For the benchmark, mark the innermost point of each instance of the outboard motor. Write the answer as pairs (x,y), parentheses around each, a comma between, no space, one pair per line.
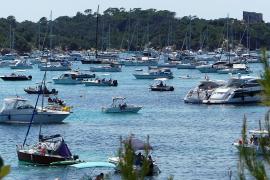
(30,77)
(115,83)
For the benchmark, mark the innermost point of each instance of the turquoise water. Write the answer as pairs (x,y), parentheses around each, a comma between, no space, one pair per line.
(190,141)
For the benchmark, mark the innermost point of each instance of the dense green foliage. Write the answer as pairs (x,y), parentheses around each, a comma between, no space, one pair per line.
(130,29)
(248,159)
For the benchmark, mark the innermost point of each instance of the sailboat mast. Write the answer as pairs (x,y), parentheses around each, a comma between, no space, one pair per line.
(96,52)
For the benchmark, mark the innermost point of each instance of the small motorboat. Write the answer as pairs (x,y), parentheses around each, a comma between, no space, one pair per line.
(120,106)
(49,150)
(253,144)
(137,148)
(40,90)
(103,80)
(62,66)
(16,77)
(160,85)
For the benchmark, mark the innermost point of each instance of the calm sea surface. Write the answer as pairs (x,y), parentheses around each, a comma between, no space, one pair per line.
(190,141)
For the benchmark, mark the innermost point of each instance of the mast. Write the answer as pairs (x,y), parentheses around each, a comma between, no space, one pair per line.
(96,51)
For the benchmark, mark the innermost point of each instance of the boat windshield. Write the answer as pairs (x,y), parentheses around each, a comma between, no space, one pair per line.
(235,83)
(16,104)
(23,105)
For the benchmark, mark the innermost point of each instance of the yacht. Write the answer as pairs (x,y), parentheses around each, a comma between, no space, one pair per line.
(19,110)
(241,89)
(67,78)
(202,91)
(155,73)
(120,106)
(142,61)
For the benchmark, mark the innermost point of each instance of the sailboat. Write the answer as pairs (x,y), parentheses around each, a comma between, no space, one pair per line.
(94,60)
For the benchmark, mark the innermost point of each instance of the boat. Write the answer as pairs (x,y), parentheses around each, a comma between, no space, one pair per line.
(160,85)
(103,80)
(21,64)
(49,150)
(137,146)
(190,65)
(140,61)
(235,69)
(241,90)
(55,67)
(202,91)
(155,73)
(253,142)
(16,77)
(107,68)
(19,110)
(213,68)
(40,90)
(120,106)
(68,78)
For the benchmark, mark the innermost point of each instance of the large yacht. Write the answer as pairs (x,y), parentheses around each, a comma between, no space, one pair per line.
(19,110)
(202,91)
(241,89)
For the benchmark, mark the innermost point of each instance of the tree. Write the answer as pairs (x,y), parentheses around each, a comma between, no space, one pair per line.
(247,157)
(4,169)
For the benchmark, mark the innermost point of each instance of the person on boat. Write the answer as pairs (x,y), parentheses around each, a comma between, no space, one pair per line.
(139,159)
(161,84)
(50,100)
(100,176)
(151,166)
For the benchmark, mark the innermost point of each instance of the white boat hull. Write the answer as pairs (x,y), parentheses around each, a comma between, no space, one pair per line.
(122,110)
(40,117)
(66,81)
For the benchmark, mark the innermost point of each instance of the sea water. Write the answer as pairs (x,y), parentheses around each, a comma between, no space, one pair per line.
(189,141)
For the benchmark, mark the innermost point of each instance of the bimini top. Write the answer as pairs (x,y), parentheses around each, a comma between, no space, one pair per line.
(94,165)
(14,99)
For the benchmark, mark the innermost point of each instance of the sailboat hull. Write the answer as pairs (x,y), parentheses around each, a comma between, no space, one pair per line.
(36,158)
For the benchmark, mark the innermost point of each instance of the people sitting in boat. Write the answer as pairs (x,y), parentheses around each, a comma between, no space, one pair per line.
(122,106)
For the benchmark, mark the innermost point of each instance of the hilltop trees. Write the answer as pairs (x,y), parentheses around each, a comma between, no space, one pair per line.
(129,29)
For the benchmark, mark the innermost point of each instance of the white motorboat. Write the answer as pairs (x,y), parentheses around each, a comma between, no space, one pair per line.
(107,68)
(68,78)
(213,68)
(253,143)
(18,110)
(236,69)
(120,106)
(202,91)
(21,64)
(155,73)
(55,67)
(241,89)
